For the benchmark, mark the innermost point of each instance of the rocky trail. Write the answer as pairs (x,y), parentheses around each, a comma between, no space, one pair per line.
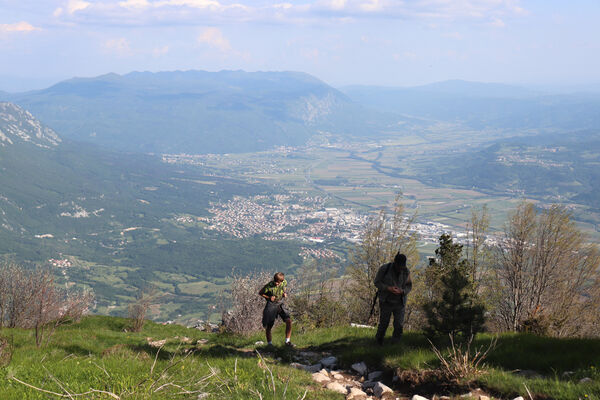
(361,382)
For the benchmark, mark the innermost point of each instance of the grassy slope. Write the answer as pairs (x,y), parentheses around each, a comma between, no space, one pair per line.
(96,353)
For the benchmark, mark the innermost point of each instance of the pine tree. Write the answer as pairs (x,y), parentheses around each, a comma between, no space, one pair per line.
(454,308)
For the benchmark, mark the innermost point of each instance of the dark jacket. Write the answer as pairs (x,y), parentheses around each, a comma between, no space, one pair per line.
(386,277)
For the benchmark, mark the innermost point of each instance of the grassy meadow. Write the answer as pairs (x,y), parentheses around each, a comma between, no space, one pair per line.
(98,357)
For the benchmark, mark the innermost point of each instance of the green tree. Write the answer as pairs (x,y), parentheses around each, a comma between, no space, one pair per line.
(454,307)
(385,235)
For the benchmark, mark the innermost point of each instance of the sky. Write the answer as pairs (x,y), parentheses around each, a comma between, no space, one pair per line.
(343,42)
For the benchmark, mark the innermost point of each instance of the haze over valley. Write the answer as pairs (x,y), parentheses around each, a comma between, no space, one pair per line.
(176,179)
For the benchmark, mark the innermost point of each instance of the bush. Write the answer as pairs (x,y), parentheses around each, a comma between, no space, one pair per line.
(29,299)
(317,299)
(139,308)
(245,315)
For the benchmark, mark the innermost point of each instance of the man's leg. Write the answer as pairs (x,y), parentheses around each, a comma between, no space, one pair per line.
(384,320)
(398,322)
(288,329)
(269,335)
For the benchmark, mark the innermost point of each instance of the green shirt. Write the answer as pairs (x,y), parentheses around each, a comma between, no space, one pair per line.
(271,289)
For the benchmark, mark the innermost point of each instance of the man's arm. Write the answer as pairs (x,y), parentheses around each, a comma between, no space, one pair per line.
(379,279)
(407,287)
(262,294)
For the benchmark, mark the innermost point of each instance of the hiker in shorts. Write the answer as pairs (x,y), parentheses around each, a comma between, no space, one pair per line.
(393,282)
(274,292)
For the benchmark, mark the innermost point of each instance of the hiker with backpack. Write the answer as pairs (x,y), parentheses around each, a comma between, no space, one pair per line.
(393,284)
(274,292)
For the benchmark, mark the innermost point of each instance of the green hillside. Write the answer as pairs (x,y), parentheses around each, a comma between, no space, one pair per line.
(113,217)
(98,357)
(557,167)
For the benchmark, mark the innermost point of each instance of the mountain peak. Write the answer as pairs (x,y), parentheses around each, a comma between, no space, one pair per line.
(18,125)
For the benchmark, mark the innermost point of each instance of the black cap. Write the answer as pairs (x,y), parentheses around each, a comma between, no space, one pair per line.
(400,259)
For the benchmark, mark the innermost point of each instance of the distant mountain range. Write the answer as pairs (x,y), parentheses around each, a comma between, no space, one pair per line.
(484,105)
(196,111)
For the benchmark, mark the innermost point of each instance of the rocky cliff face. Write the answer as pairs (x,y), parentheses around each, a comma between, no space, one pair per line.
(18,125)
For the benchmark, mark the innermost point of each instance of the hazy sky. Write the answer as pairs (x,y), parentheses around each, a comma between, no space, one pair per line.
(383,42)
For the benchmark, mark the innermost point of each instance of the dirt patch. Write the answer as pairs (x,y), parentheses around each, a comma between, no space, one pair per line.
(427,382)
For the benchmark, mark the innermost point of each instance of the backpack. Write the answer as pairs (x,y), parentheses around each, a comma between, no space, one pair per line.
(377,292)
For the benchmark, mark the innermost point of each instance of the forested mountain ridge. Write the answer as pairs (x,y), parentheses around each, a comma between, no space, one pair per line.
(197,111)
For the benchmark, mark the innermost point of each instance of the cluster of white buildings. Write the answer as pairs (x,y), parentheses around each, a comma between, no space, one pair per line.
(319,253)
(64,263)
(284,217)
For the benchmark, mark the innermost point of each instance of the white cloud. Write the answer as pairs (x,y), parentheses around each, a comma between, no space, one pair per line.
(497,23)
(336,4)
(71,7)
(160,51)
(188,3)
(134,4)
(119,46)
(147,12)
(214,38)
(22,27)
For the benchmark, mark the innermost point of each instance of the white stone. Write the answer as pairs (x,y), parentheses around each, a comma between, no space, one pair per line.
(417,397)
(483,397)
(336,387)
(338,377)
(329,362)
(356,394)
(353,325)
(379,389)
(374,375)
(585,380)
(360,367)
(519,398)
(324,372)
(320,378)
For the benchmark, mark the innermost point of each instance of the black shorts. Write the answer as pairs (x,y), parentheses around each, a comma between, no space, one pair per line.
(271,311)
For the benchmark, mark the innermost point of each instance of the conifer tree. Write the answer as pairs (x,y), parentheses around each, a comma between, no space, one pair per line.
(454,308)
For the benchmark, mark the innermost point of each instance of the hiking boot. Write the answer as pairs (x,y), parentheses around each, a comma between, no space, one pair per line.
(290,345)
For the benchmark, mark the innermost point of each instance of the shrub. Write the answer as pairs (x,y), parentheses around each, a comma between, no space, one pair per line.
(245,315)
(30,299)
(462,362)
(317,299)
(139,308)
